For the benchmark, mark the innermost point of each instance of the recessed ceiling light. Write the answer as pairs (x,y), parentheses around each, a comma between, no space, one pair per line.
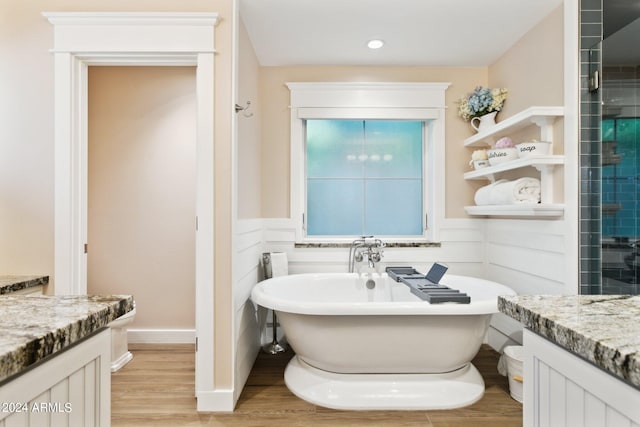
(375,44)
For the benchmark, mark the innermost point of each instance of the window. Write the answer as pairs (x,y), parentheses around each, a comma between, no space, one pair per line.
(367,159)
(364,177)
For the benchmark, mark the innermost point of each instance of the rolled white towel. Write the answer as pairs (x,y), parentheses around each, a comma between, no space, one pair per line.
(483,195)
(522,190)
(505,192)
(527,190)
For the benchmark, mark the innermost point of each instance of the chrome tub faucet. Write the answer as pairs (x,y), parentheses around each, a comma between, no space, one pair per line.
(366,247)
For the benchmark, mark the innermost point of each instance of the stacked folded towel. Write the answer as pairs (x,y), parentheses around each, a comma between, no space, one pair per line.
(505,192)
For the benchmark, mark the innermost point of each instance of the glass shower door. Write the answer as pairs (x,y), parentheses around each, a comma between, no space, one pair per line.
(620,162)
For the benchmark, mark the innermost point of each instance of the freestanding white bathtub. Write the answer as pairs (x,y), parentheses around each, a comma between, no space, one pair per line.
(366,342)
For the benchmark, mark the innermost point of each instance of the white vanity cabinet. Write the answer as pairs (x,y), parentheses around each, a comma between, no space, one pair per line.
(55,365)
(561,389)
(70,389)
(544,118)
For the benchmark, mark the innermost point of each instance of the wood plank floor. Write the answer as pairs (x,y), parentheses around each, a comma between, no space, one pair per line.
(157,389)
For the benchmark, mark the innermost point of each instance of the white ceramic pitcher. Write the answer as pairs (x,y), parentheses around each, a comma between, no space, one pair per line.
(484,122)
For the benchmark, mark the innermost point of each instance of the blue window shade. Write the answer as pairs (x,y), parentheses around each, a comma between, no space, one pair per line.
(364,177)
(393,207)
(334,206)
(330,145)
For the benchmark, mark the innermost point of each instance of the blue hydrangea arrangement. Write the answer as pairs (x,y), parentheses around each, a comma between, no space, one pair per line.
(480,102)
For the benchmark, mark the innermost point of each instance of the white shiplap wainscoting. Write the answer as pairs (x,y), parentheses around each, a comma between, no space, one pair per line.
(461,250)
(529,256)
(247,271)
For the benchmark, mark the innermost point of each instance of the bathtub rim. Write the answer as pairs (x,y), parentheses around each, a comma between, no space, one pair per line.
(487,305)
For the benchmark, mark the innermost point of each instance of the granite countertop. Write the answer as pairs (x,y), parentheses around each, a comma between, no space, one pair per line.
(603,329)
(11,283)
(35,327)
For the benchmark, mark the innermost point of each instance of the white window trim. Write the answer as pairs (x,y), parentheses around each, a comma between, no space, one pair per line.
(344,100)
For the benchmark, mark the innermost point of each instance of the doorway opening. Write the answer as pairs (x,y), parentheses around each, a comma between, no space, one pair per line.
(141,195)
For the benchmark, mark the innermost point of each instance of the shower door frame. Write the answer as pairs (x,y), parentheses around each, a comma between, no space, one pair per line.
(82,39)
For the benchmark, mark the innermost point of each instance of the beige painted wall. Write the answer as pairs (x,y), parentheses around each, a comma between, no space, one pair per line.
(532,71)
(276,125)
(142,152)
(26,139)
(249,128)
(26,143)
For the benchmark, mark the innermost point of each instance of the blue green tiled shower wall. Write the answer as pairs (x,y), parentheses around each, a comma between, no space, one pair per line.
(590,149)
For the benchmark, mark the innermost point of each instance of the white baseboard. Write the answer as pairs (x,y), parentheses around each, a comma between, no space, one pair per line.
(215,401)
(161,336)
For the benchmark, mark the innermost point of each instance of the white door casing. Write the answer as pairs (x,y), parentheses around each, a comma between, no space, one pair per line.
(130,39)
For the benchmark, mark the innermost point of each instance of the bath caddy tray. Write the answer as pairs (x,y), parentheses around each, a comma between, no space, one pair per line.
(427,286)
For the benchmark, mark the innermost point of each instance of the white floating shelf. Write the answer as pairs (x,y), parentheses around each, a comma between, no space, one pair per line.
(522,210)
(538,162)
(542,117)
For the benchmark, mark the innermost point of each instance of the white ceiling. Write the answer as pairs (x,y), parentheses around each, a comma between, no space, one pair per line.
(416,32)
